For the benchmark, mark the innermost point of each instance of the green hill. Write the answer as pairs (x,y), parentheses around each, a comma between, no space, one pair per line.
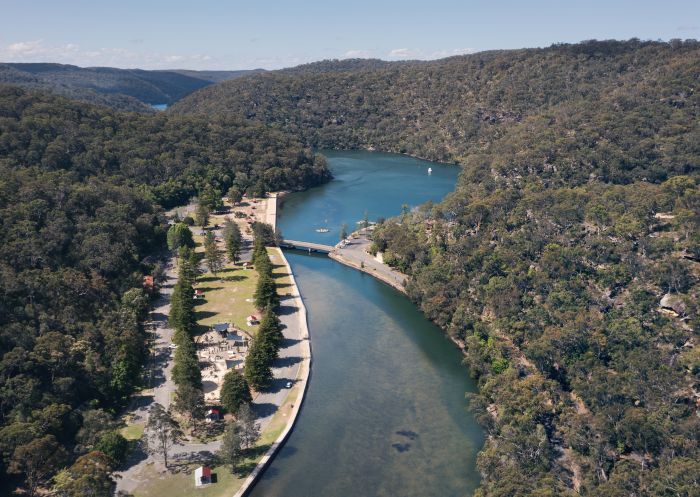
(82,195)
(567,260)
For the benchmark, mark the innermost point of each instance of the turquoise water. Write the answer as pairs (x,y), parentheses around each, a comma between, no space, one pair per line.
(363,181)
(385,413)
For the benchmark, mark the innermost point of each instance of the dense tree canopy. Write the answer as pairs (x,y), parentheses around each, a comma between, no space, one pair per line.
(169,158)
(566,262)
(558,109)
(82,192)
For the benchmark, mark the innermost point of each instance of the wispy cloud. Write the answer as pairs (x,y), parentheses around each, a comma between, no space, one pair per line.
(413,53)
(71,53)
(402,53)
(358,54)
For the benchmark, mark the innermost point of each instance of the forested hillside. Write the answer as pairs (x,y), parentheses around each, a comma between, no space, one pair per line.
(122,89)
(451,109)
(171,158)
(82,192)
(567,260)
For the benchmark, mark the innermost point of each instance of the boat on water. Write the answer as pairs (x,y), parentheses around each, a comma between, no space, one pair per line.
(430,170)
(322,230)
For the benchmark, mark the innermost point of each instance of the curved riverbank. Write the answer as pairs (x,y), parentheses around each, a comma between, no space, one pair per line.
(355,253)
(385,412)
(302,381)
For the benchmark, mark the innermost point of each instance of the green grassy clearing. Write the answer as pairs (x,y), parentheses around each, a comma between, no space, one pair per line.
(181,484)
(133,431)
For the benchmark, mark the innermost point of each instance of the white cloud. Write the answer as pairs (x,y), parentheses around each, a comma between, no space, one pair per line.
(402,53)
(71,53)
(412,53)
(358,54)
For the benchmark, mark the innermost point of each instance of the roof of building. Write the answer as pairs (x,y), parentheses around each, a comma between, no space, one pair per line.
(202,471)
(220,327)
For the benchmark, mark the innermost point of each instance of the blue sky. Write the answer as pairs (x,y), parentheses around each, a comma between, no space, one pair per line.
(204,34)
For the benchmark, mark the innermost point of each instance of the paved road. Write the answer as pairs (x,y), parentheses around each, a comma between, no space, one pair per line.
(286,367)
(161,378)
(354,253)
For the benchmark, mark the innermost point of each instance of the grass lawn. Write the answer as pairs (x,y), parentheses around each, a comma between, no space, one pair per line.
(133,431)
(226,297)
(181,484)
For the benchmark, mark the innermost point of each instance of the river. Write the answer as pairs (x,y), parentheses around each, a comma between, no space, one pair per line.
(377,183)
(385,413)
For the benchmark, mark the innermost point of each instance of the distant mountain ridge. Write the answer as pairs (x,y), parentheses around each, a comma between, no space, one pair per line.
(123,89)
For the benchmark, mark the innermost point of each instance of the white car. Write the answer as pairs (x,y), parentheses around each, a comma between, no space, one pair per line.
(289,384)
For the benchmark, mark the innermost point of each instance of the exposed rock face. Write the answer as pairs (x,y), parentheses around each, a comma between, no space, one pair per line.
(673,303)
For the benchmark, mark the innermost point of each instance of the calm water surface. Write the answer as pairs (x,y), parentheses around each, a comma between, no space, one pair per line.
(364,181)
(385,413)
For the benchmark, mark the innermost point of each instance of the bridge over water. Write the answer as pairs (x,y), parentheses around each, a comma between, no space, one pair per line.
(310,246)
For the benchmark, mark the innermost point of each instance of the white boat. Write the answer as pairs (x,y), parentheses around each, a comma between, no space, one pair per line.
(322,230)
(430,170)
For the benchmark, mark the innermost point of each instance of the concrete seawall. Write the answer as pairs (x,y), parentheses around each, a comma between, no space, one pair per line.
(394,281)
(302,383)
(354,252)
(353,259)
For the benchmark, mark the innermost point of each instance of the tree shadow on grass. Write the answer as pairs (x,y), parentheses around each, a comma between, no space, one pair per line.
(206,289)
(253,453)
(221,277)
(201,329)
(200,315)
